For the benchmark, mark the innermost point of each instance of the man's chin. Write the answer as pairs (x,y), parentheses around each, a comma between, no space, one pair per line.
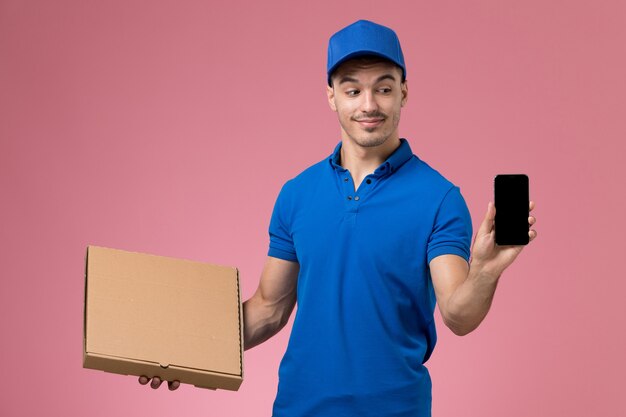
(371,142)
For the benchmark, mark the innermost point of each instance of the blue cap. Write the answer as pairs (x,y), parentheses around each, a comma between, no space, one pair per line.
(364,38)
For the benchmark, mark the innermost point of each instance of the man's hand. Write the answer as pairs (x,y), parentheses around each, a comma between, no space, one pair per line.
(490,258)
(156,382)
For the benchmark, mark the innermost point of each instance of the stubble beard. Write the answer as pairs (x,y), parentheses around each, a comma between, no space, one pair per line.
(370,142)
(367,141)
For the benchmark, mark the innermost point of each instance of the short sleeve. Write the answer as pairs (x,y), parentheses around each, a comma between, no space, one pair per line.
(452,230)
(281,241)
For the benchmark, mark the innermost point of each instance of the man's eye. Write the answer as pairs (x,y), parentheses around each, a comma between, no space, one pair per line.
(352,93)
(385,90)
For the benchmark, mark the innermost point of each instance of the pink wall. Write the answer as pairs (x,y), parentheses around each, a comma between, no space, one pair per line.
(169,127)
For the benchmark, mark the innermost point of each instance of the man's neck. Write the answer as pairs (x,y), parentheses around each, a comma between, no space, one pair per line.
(362,161)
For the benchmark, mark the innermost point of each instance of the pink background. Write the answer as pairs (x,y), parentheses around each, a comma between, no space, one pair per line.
(168,127)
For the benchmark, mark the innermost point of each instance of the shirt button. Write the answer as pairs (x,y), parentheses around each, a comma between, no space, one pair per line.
(368,181)
(345,179)
(357,198)
(349,197)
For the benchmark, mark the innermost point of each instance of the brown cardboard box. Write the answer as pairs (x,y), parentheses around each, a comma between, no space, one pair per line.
(157,316)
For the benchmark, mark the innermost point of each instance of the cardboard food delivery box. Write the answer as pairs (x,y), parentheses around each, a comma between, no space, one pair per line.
(158,316)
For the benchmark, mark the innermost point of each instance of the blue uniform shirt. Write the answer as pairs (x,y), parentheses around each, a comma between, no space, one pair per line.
(364,323)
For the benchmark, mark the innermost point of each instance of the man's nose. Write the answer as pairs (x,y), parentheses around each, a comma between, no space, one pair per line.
(368,104)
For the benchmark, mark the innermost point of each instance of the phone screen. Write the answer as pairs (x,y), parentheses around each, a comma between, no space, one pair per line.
(511,201)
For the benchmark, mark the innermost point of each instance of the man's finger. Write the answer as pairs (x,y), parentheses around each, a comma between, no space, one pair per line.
(172,385)
(143,380)
(531,206)
(156,382)
(487,225)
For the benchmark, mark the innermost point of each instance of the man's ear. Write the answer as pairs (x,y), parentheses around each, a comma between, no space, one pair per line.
(330,93)
(405,93)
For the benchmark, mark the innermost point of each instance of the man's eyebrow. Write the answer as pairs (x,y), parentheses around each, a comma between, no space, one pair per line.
(386,77)
(348,79)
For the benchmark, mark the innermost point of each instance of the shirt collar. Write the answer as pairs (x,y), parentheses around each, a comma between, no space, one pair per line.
(402,154)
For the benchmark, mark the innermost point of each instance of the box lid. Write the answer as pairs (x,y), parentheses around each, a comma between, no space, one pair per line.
(169,311)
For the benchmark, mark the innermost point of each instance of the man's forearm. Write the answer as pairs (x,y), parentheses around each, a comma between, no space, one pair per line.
(470,302)
(262,320)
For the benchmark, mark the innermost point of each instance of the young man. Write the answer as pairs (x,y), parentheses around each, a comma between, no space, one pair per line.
(365,242)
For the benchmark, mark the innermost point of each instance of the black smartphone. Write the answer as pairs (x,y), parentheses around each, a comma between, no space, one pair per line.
(511,200)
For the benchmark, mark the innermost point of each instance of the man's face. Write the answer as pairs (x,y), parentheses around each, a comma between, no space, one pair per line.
(367,96)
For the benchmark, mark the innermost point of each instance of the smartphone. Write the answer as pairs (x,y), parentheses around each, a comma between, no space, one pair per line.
(511,200)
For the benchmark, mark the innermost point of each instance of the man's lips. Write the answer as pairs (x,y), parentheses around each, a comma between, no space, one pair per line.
(370,122)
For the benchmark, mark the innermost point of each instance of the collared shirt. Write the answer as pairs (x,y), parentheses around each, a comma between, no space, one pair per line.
(364,324)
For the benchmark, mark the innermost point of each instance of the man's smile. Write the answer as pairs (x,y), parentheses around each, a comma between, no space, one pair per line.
(370,122)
